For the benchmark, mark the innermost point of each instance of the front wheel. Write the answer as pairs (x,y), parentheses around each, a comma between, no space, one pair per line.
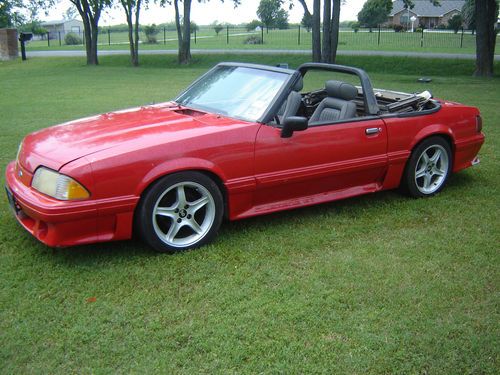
(180,211)
(428,168)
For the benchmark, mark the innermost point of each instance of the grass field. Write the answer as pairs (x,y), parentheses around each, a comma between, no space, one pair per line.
(289,39)
(379,284)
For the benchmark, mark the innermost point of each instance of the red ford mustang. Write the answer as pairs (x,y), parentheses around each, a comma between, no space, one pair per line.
(242,140)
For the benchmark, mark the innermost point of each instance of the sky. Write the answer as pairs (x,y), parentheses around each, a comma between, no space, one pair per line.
(205,13)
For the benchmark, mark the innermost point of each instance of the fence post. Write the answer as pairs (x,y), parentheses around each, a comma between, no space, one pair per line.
(227,34)
(378,39)
(164,36)
(109,38)
(194,36)
(422,38)
(462,38)
(298,38)
(59,34)
(48,39)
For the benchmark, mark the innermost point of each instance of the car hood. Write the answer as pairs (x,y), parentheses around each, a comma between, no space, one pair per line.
(58,145)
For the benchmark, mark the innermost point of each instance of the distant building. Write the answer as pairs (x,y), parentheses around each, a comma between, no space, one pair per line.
(64,26)
(427,15)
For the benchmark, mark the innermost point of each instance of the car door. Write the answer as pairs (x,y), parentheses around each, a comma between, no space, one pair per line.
(322,163)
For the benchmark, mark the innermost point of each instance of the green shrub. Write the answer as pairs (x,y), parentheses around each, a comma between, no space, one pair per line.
(253,39)
(455,23)
(355,26)
(72,39)
(151,31)
(399,28)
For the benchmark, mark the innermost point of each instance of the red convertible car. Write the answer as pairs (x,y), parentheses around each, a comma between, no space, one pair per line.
(242,140)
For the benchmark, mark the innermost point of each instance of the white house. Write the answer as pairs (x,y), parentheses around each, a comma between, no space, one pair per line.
(63,26)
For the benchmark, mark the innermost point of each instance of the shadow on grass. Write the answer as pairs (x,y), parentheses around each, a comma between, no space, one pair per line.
(246,230)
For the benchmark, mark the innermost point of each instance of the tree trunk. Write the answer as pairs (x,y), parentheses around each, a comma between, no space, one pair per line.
(487,11)
(178,24)
(135,61)
(128,13)
(86,32)
(316,32)
(93,47)
(335,29)
(90,28)
(326,53)
(185,47)
(88,40)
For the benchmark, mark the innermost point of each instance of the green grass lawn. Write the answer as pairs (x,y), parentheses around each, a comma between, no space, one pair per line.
(288,39)
(380,284)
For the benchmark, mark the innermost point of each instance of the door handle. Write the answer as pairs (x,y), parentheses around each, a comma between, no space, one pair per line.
(371,131)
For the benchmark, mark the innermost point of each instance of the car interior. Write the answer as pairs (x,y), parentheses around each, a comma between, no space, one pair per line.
(340,100)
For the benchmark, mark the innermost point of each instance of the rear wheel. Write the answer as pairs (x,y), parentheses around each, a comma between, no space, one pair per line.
(429,167)
(180,211)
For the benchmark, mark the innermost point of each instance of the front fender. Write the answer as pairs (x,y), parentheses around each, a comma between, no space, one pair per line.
(178,165)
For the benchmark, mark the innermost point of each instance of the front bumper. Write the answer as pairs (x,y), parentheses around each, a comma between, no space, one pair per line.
(66,223)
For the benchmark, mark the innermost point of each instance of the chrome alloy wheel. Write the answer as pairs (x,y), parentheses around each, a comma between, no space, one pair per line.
(183,214)
(431,169)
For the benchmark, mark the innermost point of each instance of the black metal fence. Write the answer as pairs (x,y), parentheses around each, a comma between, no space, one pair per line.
(293,38)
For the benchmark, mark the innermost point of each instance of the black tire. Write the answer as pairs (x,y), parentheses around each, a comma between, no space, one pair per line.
(162,211)
(432,175)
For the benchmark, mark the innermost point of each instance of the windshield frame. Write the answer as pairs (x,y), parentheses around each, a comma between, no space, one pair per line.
(272,106)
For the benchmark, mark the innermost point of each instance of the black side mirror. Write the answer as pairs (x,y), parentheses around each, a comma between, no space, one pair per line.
(292,124)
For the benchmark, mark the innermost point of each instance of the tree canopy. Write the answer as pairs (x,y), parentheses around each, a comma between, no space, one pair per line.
(271,14)
(374,12)
(14,13)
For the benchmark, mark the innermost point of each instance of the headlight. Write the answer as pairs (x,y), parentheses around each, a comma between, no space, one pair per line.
(57,185)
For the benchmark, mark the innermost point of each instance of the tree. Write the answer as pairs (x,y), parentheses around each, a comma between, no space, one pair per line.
(90,11)
(252,25)
(331,14)
(16,12)
(193,27)
(217,27)
(184,28)
(269,11)
(183,31)
(455,23)
(70,13)
(487,12)
(151,31)
(281,21)
(469,14)
(132,10)
(374,12)
(307,21)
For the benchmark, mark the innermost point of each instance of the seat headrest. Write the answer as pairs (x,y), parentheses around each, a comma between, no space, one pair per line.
(299,85)
(342,90)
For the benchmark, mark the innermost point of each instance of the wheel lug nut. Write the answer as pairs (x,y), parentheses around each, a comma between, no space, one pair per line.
(189,216)
(176,210)
(186,206)
(179,220)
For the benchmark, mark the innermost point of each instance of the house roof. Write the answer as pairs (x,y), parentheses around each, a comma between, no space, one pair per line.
(424,8)
(58,22)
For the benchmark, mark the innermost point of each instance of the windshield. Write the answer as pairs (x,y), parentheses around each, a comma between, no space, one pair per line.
(234,91)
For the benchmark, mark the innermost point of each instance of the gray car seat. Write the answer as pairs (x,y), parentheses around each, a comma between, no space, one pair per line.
(338,105)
